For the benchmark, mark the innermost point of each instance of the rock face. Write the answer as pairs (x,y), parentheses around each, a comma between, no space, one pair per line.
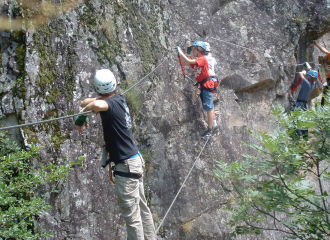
(47,70)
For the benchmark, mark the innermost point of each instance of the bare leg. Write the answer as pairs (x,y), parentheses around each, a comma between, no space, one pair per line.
(210,115)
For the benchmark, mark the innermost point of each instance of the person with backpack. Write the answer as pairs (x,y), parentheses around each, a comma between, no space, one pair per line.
(201,70)
(308,83)
(129,163)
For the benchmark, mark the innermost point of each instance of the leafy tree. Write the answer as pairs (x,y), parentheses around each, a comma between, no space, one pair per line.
(283,185)
(19,207)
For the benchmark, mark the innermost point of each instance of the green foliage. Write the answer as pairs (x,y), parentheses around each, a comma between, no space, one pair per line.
(16,10)
(19,207)
(284,184)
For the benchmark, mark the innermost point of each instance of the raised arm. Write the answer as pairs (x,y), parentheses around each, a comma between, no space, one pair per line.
(301,74)
(322,49)
(186,61)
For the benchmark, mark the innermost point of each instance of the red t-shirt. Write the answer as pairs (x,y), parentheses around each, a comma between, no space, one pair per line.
(201,69)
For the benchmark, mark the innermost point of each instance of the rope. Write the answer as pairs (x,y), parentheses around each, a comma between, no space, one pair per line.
(148,74)
(44,121)
(77,114)
(181,188)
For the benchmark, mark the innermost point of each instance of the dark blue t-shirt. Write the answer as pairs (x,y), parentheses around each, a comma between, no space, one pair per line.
(117,129)
(306,90)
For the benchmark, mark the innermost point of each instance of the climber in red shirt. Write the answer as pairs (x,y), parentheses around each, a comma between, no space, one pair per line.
(201,70)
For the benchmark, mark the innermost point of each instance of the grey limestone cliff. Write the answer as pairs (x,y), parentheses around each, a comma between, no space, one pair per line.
(47,69)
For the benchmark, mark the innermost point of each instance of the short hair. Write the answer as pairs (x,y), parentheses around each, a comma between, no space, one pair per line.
(107,94)
(200,49)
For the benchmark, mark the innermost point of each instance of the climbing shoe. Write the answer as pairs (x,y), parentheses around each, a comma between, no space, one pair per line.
(215,129)
(207,134)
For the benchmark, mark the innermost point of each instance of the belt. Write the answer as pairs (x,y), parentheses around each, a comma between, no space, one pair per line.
(303,101)
(127,174)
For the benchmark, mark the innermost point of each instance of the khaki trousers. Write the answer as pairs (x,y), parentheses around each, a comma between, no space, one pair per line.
(132,202)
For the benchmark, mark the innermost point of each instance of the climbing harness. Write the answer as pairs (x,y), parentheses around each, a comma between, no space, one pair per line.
(127,174)
(113,172)
(112,168)
(176,196)
(209,84)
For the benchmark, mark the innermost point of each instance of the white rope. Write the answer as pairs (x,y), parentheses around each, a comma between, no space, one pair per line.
(181,188)
(77,114)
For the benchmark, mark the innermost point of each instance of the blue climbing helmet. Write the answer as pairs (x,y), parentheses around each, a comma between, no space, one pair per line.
(200,44)
(196,44)
(313,73)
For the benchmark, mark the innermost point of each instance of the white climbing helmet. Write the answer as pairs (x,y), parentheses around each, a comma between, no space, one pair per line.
(104,81)
(207,47)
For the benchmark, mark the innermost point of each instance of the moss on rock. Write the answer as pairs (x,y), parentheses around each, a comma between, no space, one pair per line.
(19,90)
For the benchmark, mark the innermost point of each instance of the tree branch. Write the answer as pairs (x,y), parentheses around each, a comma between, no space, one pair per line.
(282,180)
(266,213)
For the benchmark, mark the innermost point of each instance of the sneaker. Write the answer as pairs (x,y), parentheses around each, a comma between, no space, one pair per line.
(207,134)
(216,128)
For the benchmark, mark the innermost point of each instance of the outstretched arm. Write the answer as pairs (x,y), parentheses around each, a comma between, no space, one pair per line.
(322,49)
(96,106)
(89,104)
(87,101)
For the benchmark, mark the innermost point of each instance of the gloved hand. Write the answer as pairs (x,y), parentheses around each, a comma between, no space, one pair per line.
(180,52)
(304,72)
(325,84)
(81,120)
(307,66)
